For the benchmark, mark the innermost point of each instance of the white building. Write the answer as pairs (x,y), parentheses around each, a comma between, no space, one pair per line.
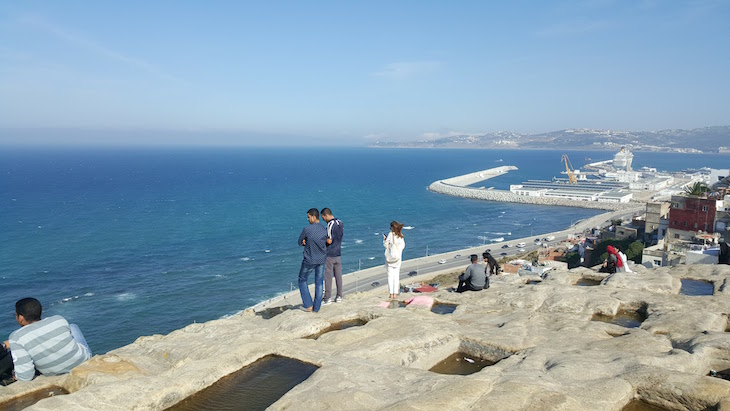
(623,176)
(615,197)
(521,190)
(652,184)
(716,175)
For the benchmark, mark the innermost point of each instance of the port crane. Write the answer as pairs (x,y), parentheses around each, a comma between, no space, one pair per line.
(569,169)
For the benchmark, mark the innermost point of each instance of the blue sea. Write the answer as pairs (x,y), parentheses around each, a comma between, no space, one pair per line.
(131,242)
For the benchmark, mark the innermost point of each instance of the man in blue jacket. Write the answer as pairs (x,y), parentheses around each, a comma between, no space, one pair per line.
(333,266)
(314,240)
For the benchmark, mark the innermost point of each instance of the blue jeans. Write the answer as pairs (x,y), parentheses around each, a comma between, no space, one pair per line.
(304,287)
(78,336)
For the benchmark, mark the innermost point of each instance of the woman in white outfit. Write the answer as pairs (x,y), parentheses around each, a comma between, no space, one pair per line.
(394,245)
(624,260)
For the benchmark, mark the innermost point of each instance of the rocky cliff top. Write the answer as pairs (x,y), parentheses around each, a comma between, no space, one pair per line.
(550,352)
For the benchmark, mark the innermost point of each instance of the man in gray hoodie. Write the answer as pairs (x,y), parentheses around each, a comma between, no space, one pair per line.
(473,279)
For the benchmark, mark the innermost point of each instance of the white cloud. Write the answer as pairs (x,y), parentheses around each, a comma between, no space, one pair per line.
(407,69)
(82,42)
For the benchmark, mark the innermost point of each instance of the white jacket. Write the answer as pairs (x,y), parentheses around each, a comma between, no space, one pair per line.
(394,246)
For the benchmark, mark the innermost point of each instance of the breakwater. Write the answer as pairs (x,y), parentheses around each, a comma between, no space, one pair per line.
(457,186)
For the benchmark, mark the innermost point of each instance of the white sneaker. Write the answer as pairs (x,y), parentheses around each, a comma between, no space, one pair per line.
(326,302)
(338,299)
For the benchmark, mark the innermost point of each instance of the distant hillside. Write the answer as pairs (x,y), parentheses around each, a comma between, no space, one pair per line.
(706,140)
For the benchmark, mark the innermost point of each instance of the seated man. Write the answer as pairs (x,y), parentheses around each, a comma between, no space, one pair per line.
(49,346)
(473,278)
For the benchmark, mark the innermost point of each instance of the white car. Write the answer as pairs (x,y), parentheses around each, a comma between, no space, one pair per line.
(522,250)
(442,261)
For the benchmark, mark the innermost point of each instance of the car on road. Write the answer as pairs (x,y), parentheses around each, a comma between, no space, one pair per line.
(503,254)
(522,250)
(537,240)
(489,250)
(549,238)
(442,261)
(375,283)
(457,256)
(412,273)
(506,246)
(520,245)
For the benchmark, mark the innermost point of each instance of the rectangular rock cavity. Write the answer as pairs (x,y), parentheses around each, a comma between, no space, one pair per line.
(625,317)
(470,358)
(254,387)
(587,282)
(27,400)
(440,308)
(342,325)
(696,287)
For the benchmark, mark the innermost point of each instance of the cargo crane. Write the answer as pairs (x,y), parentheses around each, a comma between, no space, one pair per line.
(569,169)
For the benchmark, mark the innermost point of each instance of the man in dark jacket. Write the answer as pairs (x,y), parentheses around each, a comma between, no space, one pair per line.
(333,266)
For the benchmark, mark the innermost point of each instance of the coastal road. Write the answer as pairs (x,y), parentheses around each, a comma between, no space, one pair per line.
(459,259)
(428,266)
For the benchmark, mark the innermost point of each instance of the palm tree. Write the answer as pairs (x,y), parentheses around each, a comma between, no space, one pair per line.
(696,189)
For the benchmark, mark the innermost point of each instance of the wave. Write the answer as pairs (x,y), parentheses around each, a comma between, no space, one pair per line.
(408,227)
(494,240)
(371,258)
(126,296)
(75,297)
(220,276)
(376,233)
(498,233)
(244,259)
(358,241)
(267,251)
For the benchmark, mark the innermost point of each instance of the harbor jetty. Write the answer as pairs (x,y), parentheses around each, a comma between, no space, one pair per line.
(459,186)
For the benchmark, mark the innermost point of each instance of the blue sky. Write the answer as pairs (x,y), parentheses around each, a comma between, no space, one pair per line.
(219,72)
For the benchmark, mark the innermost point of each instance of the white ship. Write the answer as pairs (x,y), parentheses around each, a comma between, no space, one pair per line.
(622,160)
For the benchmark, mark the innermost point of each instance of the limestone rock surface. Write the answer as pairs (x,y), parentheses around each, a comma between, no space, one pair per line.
(551,352)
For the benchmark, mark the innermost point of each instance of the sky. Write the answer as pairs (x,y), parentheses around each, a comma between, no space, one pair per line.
(355,72)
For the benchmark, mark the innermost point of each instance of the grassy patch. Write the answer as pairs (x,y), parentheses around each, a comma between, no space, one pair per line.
(446,279)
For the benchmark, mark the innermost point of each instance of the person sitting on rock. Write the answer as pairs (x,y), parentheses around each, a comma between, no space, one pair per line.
(50,347)
(609,266)
(473,279)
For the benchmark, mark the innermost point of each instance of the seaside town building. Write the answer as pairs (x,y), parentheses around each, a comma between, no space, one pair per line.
(656,222)
(691,216)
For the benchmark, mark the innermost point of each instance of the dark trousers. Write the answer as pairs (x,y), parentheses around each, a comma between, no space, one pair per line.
(466,286)
(6,364)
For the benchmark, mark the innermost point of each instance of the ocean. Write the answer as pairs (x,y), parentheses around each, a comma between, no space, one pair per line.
(140,241)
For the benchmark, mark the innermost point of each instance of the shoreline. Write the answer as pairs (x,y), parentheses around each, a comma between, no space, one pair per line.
(612,149)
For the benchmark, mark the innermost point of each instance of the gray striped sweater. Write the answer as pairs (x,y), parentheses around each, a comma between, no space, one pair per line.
(45,345)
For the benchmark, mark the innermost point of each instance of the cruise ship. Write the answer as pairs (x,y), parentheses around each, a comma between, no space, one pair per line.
(622,160)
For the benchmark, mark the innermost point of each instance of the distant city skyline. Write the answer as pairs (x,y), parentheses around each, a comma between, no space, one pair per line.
(240,73)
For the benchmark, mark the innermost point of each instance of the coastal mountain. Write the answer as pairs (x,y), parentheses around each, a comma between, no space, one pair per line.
(700,140)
